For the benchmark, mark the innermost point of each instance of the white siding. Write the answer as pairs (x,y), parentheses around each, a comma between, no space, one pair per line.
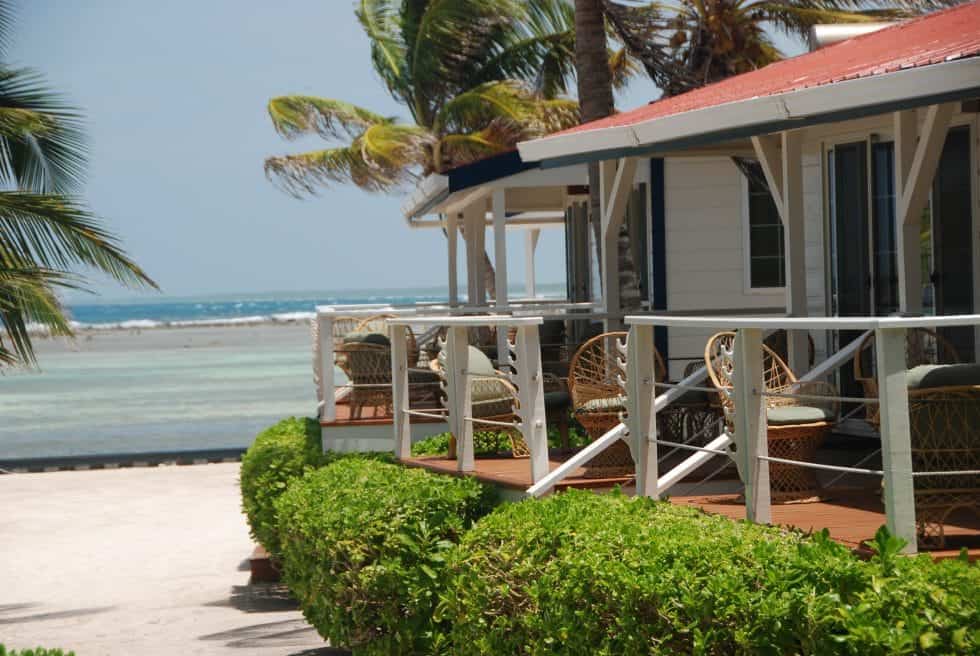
(704,198)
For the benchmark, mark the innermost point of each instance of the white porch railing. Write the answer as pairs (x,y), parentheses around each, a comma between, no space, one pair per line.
(329,317)
(750,405)
(522,358)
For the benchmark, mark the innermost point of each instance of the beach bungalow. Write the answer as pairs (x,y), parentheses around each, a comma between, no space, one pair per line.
(833,197)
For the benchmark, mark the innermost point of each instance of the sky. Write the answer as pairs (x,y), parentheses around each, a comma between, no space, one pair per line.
(175,93)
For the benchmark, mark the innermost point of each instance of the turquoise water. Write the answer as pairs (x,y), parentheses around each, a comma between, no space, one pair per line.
(170,374)
(160,395)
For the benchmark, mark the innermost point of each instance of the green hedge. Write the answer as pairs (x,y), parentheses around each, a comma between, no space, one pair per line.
(363,544)
(491,442)
(580,573)
(279,454)
(37,651)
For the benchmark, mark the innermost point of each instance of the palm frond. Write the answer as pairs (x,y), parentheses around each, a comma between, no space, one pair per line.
(379,18)
(305,174)
(55,232)
(540,49)
(796,17)
(27,298)
(445,40)
(296,116)
(42,148)
(497,137)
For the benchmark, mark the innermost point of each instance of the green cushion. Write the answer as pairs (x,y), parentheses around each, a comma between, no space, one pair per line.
(789,415)
(928,376)
(612,404)
(367,338)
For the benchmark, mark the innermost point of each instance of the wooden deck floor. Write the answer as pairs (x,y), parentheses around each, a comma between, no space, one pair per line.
(513,473)
(370,416)
(850,515)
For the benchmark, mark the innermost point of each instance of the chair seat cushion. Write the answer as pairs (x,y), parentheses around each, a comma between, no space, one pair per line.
(479,364)
(557,400)
(613,404)
(929,376)
(789,415)
(367,338)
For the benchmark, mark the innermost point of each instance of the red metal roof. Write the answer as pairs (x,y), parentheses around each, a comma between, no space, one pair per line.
(938,37)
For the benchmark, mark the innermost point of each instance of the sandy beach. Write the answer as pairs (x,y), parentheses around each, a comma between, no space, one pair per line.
(109,391)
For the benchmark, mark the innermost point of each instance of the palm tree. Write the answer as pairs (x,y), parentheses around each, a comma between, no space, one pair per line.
(715,39)
(45,230)
(476,77)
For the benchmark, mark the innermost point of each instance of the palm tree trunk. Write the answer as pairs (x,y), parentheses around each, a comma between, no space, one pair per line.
(595,97)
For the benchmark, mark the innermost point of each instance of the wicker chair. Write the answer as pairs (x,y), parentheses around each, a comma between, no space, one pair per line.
(376,324)
(944,419)
(367,365)
(493,399)
(365,358)
(922,346)
(795,430)
(599,400)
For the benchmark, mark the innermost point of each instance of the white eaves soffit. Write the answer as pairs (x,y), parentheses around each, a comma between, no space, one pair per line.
(922,83)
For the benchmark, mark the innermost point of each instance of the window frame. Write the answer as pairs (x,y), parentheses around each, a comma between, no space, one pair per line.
(747,246)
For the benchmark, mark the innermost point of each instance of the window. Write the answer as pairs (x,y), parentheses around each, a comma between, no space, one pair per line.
(767,257)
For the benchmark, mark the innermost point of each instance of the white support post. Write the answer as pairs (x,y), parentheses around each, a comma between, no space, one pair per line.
(459,391)
(751,425)
(327,389)
(781,159)
(915,168)
(530,245)
(399,391)
(474,222)
(896,451)
(798,346)
(452,236)
(499,208)
(530,387)
(642,420)
(616,183)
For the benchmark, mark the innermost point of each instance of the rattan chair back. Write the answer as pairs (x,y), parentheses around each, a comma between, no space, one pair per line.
(376,324)
(922,346)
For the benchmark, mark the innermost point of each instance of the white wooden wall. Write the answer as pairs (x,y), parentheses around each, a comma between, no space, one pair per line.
(704,200)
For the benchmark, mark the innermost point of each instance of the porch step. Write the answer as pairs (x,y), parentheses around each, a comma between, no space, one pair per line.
(262,567)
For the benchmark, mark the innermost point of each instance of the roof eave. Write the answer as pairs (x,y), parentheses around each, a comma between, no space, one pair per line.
(920,86)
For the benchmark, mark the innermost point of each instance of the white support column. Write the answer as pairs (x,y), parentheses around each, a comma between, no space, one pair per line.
(327,389)
(460,396)
(616,183)
(530,245)
(915,168)
(798,346)
(452,236)
(499,207)
(399,391)
(896,448)
(530,386)
(474,222)
(751,424)
(781,158)
(642,420)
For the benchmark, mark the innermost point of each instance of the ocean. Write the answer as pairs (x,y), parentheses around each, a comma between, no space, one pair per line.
(171,374)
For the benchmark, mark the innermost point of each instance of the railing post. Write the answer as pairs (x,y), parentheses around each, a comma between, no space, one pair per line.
(751,425)
(896,448)
(400,391)
(327,389)
(642,420)
(530,388)
(459,394)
